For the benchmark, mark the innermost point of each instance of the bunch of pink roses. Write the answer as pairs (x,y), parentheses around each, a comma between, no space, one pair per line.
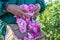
(28,24)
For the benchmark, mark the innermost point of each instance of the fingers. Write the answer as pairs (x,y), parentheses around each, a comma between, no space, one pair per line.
(36,10)
(15,10)
(18,13)
(24,10)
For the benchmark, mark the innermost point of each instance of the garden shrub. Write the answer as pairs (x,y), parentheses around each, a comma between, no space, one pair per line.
(50,21)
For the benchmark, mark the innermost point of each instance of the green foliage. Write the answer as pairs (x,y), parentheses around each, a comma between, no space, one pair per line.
(50,21)
(0,37)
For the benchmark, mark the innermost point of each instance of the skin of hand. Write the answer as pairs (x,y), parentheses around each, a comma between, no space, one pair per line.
(19,12)
(25,11)
(15,10)
(36,9)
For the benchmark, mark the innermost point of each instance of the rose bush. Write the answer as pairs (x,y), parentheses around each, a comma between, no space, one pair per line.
(50,21)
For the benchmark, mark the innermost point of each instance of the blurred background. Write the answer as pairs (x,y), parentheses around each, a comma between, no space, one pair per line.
(50,20)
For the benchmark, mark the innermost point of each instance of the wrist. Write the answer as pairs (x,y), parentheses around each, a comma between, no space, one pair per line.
(8,8)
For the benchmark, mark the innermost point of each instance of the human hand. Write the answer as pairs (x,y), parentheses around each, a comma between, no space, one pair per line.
(15,10)
(36,9)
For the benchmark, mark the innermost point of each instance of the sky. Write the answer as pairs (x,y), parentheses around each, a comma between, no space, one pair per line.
(46,1)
